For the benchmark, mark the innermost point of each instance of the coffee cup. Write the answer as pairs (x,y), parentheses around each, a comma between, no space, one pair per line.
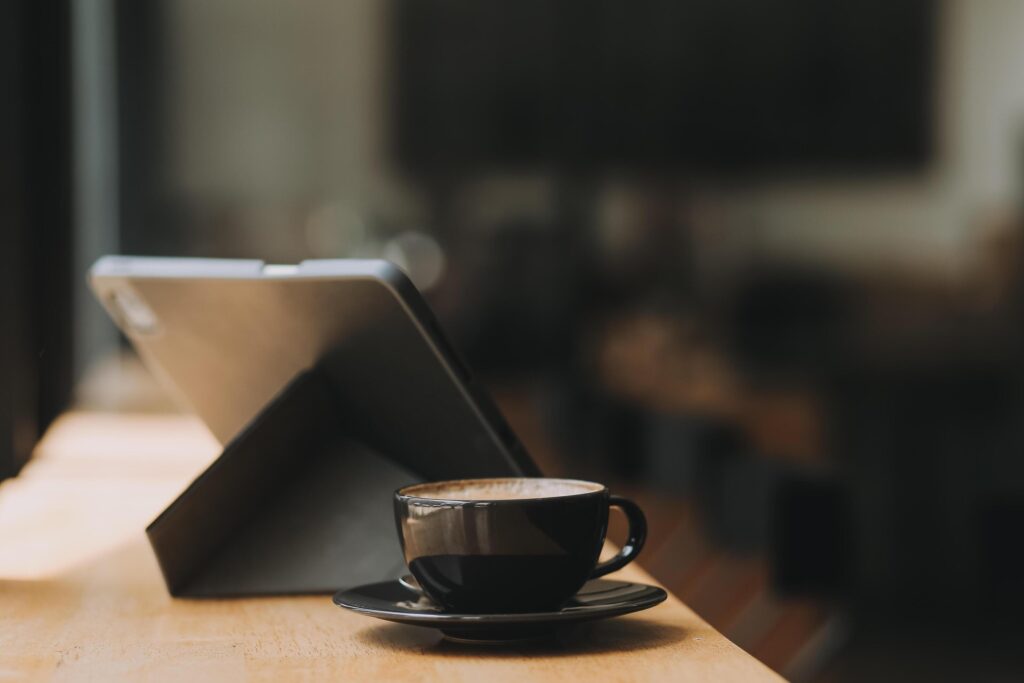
(510,544)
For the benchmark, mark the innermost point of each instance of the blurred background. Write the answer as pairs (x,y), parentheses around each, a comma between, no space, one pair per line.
(759,264)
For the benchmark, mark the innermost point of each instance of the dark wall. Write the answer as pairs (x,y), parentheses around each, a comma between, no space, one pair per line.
(35,223)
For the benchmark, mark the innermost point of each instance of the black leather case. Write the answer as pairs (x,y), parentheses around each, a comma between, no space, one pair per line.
(292,505)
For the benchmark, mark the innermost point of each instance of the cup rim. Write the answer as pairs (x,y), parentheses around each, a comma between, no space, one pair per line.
(409,493)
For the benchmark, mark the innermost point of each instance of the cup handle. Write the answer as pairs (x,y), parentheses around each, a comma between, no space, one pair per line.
(635,542)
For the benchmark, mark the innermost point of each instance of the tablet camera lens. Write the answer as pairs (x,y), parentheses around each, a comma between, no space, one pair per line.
(133,313)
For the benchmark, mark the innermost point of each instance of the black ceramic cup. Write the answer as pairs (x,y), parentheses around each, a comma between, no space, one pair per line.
(510,545)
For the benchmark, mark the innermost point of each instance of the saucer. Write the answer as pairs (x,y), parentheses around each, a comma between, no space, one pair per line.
(399,601)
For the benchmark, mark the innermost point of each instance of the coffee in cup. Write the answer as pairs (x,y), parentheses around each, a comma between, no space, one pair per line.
(510,544)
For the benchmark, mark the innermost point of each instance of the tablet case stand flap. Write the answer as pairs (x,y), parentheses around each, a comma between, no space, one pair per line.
(292,505)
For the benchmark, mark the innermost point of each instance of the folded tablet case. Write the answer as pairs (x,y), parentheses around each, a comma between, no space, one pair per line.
(298,502)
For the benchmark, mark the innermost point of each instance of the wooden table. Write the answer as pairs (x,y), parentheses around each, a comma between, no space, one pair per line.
(81,597)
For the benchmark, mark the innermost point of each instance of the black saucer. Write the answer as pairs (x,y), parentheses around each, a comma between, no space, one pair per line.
(402,603)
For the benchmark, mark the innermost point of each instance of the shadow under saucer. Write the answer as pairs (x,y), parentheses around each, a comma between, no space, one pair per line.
(612,635)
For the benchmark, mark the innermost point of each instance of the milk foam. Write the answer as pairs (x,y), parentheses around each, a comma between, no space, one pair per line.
(501,489)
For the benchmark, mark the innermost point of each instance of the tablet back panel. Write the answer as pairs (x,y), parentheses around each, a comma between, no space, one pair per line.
(229,335)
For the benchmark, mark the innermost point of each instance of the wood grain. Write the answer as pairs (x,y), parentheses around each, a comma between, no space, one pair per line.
(81,597)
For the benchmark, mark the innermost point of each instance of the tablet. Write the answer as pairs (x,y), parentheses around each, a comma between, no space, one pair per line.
(228,335)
